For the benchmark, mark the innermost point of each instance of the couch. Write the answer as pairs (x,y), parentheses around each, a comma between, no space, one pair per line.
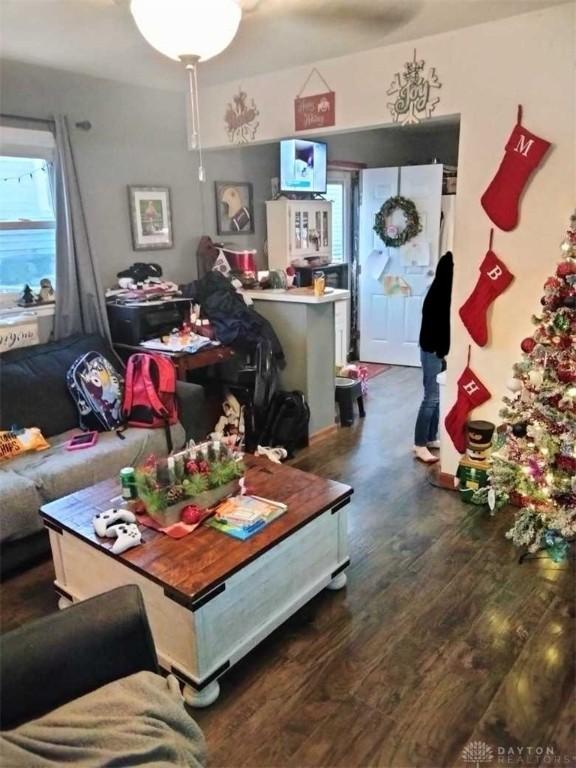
(33,393)
(81,687)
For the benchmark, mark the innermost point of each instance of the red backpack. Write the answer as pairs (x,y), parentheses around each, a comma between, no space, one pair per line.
(150,393)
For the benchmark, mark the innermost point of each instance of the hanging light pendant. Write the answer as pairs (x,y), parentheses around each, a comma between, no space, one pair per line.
(189,31)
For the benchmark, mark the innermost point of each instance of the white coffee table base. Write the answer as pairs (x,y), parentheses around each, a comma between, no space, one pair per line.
(198,639)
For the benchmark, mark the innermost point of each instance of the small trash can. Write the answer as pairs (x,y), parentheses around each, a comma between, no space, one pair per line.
(347,391)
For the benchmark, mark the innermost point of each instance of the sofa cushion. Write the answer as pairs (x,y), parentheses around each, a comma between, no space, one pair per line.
(138,720)
(33,383)
(19,504)
(57,472)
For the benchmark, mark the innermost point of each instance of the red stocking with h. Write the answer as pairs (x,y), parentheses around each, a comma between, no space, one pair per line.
(471,394)
(494,279)
(522,155)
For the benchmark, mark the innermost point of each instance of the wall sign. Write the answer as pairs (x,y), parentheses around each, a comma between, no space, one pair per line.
(18,332)
(240,118)
(317,110)
(414,101)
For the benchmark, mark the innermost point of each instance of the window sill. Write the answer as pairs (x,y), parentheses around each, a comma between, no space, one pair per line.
(36,310)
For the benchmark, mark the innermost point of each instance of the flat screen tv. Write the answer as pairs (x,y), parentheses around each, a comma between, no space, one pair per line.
(302,166)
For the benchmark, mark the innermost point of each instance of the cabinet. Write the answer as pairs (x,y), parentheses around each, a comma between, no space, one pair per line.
(299,232)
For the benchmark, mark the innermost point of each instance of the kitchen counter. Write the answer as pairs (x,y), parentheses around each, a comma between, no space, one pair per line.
(306,327)
(298,295)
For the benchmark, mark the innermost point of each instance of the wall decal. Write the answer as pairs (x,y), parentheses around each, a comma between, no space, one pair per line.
(240,119)
(414,100)
(317,110)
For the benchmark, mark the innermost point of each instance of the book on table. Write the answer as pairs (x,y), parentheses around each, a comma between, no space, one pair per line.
(243,516)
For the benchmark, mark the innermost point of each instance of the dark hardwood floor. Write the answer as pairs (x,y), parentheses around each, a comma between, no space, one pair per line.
(439,639)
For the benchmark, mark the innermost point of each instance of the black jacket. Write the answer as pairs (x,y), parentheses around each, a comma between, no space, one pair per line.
(435,329)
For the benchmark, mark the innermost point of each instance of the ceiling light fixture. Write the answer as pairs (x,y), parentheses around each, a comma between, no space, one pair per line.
(189,31)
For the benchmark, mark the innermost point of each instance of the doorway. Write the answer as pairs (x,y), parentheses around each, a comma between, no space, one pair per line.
(388,285)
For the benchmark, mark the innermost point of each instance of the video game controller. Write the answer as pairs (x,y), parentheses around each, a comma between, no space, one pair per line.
(127,536)
(105,519)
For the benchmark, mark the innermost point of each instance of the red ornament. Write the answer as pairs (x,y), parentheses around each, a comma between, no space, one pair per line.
(566,268)
(566,374)
(203,467)
(191,515)
(191,467)
(528,345)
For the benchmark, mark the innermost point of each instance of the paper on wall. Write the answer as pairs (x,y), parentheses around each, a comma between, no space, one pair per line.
(376,263)
(416,253)
(395,285)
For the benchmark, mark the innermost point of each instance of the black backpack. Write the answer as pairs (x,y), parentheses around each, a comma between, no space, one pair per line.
(287,423)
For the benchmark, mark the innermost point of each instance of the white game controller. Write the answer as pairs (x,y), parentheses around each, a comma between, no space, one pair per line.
(127,536)
(105,519)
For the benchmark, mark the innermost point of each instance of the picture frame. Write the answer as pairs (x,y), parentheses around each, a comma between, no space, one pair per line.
(150,218)
(234,207)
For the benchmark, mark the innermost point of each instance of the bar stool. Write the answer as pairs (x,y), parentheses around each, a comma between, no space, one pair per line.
(348,390)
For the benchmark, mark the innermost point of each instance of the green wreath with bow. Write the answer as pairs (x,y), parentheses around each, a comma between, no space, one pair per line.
(389,234)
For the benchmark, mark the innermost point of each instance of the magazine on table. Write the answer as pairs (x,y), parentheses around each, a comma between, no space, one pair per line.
(243,516)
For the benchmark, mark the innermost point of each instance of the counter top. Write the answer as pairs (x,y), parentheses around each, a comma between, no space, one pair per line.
(298,295)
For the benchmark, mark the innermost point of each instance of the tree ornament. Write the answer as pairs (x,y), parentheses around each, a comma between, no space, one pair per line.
(519,430)
(389,233)
(514,385)
(569,302)
(528,345)
(536,377)
(561,322)
(566,268)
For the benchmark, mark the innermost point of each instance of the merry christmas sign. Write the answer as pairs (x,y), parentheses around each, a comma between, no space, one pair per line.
(317,110)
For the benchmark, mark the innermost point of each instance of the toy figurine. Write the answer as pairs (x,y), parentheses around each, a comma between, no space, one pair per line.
(473,468)
(27,298)
(46,295)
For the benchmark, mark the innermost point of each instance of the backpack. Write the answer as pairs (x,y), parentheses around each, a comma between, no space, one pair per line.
(150,393)
(287,423)
(96,388)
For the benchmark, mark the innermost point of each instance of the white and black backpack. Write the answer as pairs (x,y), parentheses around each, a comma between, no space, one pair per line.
(97,389)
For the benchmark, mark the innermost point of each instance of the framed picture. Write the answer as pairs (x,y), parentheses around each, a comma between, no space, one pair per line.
(150,217)
(234,208)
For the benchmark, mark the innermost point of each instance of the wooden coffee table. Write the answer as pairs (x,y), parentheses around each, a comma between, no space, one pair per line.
(210,598)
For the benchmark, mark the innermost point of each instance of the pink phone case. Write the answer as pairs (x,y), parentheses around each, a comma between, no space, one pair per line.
(80,446)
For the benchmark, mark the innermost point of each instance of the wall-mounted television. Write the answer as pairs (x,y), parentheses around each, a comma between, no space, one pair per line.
(302,166)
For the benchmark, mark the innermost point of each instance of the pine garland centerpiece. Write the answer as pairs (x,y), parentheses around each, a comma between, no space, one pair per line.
(390,234)
(202,475)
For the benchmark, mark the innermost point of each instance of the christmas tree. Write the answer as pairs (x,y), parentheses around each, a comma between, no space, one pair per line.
(534,462)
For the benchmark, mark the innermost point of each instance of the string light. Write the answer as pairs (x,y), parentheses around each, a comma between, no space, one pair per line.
(30,174)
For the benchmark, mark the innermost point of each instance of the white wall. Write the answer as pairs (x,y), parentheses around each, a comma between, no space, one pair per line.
(485,72)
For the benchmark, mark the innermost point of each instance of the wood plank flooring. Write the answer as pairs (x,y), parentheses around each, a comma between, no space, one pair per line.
(439,639)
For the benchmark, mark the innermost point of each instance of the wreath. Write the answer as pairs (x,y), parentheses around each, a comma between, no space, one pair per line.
(390,235)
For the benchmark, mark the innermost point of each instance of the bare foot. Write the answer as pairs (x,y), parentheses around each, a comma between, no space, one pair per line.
(423,454)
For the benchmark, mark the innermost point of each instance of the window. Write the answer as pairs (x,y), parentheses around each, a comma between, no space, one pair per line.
(338,192)
(27,226)
(335,193)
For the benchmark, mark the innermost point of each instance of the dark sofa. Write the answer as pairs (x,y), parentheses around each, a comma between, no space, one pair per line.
(33,393)
(81,687)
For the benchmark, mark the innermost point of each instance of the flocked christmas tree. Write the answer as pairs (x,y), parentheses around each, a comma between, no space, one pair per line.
(534,464)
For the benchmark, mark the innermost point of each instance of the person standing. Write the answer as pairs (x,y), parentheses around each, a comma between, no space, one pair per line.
(434,346)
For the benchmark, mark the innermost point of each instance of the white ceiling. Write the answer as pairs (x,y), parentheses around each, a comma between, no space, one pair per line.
(99,38)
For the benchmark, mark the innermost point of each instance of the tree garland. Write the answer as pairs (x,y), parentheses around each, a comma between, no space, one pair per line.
(390,235)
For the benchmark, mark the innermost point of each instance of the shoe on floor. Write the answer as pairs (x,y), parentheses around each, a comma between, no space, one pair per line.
(423,454)
(435,444)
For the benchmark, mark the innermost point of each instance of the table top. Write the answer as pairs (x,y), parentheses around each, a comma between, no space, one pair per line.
(194,565)
(203,357)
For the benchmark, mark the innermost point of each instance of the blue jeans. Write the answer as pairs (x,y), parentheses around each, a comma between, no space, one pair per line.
(429,413)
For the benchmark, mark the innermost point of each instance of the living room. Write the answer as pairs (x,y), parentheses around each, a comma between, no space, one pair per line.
(382,618)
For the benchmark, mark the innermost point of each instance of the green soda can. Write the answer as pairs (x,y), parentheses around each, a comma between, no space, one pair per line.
(128,483)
